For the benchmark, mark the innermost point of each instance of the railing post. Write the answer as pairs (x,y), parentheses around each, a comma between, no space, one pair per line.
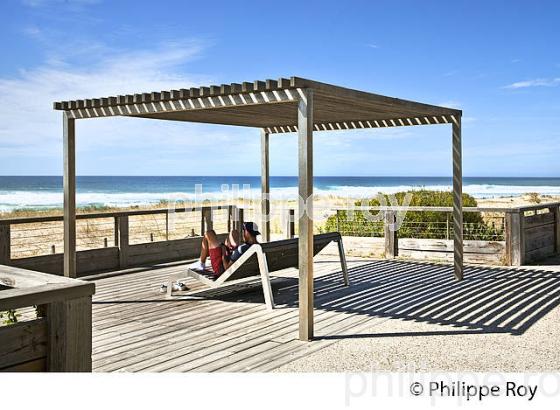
(391,240)
(5,244)
(229,215)
(69,335)
(205,220)
(240,222)
(556,211)
(116,231)
(123,241)
(209,221)
(167,225)
(338,220)
(515,243)
(447,225)
(289,224)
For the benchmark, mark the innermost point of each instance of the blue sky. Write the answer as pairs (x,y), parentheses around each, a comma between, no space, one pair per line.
(498,61)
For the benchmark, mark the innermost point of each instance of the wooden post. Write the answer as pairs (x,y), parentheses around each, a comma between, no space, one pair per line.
(447,226)
(69,335)
(305,182)
(391,240)
(5,244)
(167,225)
(457,198)
(123,241)
(515,244)
(116,231)
(265,186)
(338,220)
(240,217)
(556,211)
(289,224)
(206,220)
(69,185)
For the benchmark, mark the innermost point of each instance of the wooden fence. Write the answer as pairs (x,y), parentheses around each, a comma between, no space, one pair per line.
(123,253)
(523,235)
(530,234)
(58,338)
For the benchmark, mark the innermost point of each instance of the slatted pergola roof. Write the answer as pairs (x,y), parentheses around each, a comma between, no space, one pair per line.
(275,106)
(271,105)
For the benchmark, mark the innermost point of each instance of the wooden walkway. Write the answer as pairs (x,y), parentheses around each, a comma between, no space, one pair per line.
(136,329)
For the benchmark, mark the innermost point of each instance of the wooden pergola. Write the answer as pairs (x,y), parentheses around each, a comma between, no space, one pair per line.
(275,106)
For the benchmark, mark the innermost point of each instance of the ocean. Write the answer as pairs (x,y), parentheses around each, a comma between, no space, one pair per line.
(39,192)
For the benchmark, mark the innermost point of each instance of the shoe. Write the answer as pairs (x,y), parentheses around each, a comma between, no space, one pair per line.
(163,288)
(198,265)
(179,287)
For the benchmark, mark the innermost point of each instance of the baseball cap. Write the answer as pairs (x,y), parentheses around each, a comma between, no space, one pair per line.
(252,228)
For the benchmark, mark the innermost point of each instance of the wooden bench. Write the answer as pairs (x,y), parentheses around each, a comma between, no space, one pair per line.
(260,260)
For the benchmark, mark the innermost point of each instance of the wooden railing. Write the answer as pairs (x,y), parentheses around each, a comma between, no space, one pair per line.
(527,234)
(522,235)
(59,338)
(123,242)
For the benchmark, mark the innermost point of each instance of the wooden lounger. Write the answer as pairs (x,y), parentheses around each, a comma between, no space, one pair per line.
(260,260)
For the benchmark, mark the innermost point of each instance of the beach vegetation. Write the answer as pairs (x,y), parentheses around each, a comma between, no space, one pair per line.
(534,197)
(417,224)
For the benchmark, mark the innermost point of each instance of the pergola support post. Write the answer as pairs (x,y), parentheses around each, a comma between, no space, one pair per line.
(265,186)
(69,186)
(305,260)
(457,198)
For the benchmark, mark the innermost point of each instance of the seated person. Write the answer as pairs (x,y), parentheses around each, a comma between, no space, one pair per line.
(222,255)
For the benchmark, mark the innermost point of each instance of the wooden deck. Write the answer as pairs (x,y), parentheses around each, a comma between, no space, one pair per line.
(136,329)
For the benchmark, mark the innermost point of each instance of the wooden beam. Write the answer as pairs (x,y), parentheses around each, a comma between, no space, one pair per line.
(305,182)
(265,186)
(69,186)
(457,199)
(366,123)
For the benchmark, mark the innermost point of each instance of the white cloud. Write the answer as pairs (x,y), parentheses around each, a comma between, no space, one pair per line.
(371,45)
(30,127)
(537,82)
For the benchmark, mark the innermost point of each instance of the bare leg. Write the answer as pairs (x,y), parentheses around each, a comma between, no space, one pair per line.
(233,239)
(210,241)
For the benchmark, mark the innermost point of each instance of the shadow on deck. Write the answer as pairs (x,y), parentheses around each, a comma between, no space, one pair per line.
(137,329)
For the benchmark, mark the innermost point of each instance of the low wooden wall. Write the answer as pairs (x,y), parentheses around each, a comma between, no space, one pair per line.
(59,337)
(23,346)
(476,252)
(109,259)
(532,234)
(540,235)
(123,255)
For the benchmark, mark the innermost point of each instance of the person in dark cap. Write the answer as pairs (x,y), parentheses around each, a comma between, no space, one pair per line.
(223,254)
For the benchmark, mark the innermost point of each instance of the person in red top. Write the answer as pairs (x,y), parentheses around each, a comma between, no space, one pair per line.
(223,254)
